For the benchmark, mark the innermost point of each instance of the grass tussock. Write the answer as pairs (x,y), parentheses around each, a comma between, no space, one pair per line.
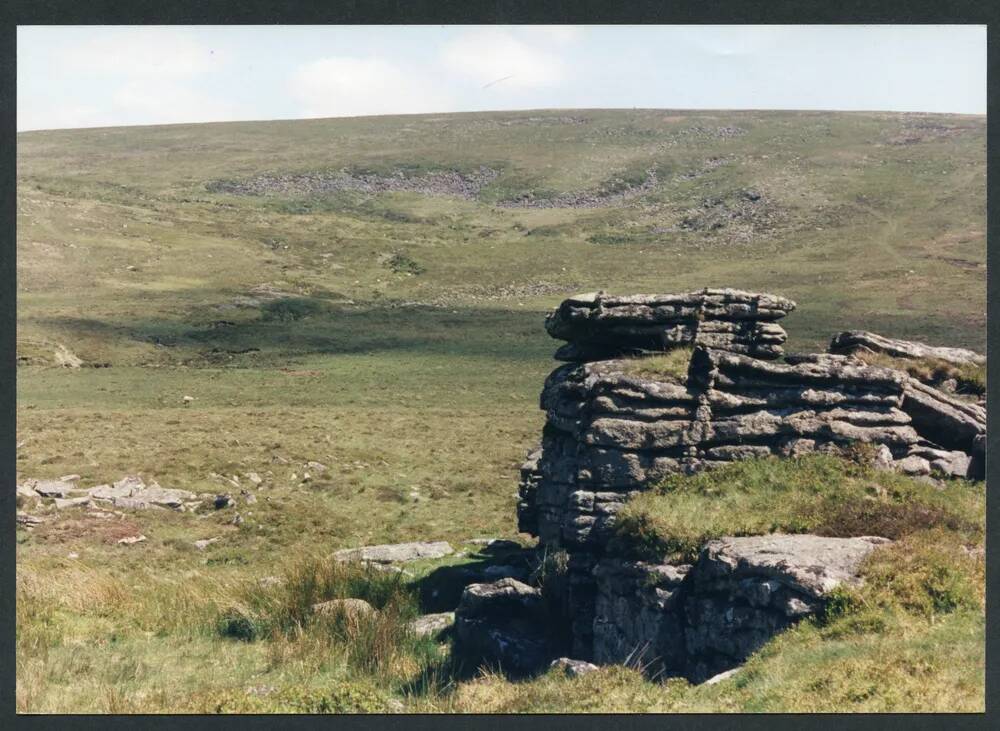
(672,366)
(282,612)
(970,378)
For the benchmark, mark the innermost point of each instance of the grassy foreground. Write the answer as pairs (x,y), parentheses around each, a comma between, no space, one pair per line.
(396,338)
(911,638)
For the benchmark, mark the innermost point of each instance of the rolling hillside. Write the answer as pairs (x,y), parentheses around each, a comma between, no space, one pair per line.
(368,294)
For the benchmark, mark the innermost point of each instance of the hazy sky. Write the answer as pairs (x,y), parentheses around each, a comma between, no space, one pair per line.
(101,75)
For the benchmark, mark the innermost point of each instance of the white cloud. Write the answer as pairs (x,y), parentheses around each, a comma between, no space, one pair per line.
(168,102)
(345,86)
(141,51)
(489,55)
(57,116)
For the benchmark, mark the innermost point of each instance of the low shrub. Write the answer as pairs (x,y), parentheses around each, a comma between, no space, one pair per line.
(345,697)
(402,264)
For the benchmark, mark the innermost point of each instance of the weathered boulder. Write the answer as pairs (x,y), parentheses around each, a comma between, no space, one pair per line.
(26,489)
(941,418)
(852,341)
(809,565)
(107,492)
(503,624)
(745,590)
(132,482)
(352,611)
(166,497)
(389,553)
(432,624)
(573,668)
(51,488)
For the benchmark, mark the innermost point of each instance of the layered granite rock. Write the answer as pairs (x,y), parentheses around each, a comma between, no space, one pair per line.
(944,419)
(598,326)
(701,620)
(853,341)
(610,432)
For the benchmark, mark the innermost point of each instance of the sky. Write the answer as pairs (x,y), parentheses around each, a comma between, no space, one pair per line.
(95,76)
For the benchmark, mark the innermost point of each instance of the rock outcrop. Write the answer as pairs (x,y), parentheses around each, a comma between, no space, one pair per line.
(616,425)
(853,341)
(600,326)
(610,432)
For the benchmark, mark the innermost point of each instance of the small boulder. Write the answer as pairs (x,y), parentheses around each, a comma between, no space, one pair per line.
(883,458)
(352,610)
(26,490)
(132,482)
(53,488)
(573,668)
(205,543)
(165,497)
(389,553)
(504,597)
(432,624)
(73,502)
(722,676)
(26,520)
(503,624)
(913,465)
(131,503)
(107,492)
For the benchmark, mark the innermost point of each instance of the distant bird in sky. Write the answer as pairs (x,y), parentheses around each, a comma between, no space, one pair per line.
(487,86)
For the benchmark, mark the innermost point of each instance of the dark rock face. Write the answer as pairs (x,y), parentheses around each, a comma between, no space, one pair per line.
(599,326)
(700,620)
(854,340)
(503,624)
(943,419)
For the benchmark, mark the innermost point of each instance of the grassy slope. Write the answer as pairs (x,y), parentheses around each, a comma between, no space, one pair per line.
(420,411)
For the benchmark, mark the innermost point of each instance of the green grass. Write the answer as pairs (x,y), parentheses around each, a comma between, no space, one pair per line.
(398,339)
(818,494)
(969,377)
(672,366)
